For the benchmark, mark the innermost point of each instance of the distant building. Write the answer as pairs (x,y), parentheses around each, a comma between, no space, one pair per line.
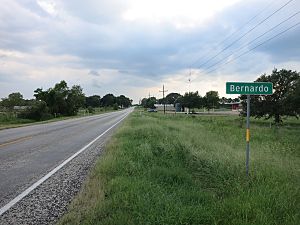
(169,107)
(234,106)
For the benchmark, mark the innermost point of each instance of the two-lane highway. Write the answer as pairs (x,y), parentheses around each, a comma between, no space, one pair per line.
(29,153)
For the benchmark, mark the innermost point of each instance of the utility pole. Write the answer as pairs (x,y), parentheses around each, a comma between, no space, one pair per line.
(163,91)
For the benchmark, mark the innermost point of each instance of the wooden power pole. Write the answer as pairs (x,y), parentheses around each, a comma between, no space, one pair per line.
(163,91)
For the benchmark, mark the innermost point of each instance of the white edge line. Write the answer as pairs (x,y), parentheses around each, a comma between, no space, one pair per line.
(48,175)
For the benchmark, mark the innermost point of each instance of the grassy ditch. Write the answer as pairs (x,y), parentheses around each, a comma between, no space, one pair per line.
(10,119)
(190,170)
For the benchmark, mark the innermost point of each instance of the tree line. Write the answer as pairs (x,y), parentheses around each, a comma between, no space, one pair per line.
(285,100)
(60,100)
(189,100)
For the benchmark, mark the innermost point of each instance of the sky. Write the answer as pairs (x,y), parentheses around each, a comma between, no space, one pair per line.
(135,47)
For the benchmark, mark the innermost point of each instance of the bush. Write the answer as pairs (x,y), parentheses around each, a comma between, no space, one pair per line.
(37,111)
(91,109)
(115,106)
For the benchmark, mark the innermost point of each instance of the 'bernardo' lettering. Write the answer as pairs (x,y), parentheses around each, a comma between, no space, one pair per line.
(249,89)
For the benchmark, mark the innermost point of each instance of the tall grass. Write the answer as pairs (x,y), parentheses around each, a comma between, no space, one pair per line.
(11,120)
(190,170)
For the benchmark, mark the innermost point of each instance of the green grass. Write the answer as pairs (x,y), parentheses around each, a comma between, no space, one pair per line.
(10,120)
(167,169)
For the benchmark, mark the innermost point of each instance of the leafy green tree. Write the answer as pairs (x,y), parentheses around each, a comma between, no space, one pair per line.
(61,100)
(292,101)
(285,98)
(93,101)
(211,100)
(60,95)
(54,97)
(172,97)
(115,106)
(75,100)
(144,102)
(149,102)
(191,100)
(13,99)
(123,101)
(108,100)
(223,100)
(38,110)
(236,100)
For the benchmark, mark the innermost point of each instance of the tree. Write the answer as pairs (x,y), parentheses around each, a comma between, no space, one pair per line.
(13,99)
(115,106)
(224,100)
(171,98)
(93,101)
(108,100)
(149,102)
(144,102)
(285,98)
(38,110)
(211,99)
(59,96)
(54,97)
(236,99)
(61,99)
(75,100)
(123,101)
(292,102)
(191,100)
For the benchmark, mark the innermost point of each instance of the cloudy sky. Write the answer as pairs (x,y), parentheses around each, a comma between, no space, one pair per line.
(133,47)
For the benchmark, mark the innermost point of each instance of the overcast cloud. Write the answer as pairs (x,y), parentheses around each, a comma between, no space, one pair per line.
(134,47)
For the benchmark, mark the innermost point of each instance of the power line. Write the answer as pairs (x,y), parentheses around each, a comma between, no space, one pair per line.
(262,43)
(254,17)
(268,31)
(236,31)
(235,41)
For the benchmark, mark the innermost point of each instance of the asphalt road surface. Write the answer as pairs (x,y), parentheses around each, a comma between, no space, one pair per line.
(27,154)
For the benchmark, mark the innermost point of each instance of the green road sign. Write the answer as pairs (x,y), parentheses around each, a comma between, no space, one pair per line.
(247,88)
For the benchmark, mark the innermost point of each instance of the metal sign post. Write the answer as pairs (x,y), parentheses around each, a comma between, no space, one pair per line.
(247,88)
(248,135)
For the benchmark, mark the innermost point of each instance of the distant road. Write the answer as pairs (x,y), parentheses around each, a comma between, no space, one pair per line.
(29,153)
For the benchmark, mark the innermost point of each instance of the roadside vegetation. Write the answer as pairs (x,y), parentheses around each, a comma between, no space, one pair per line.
(12,120)
(57,103)
(285,100)
(187,169)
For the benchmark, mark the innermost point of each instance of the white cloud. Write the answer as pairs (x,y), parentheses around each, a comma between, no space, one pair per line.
(182,14)
(48,6)
(134,46)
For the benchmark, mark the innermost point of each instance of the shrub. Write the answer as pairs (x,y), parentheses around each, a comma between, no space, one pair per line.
(115,106)
(91,109)
(37,111)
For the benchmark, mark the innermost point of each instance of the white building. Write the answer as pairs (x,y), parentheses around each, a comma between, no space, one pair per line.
(169,107)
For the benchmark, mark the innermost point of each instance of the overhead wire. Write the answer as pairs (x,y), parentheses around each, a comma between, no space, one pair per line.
(253,28)
(236,31)
(247,44)
(262,43)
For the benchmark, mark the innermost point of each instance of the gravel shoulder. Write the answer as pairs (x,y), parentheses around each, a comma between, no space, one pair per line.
(47,203)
